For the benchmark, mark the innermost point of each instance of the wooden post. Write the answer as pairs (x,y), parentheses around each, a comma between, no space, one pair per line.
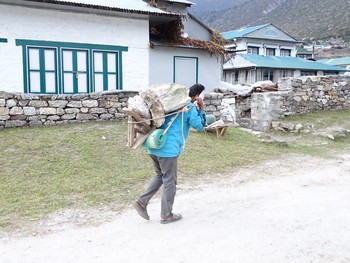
(138,129)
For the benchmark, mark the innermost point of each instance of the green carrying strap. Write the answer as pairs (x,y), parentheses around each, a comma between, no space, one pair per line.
(157,138)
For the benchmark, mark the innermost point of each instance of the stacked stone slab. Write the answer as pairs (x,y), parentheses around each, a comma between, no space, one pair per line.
(315,93)
(18,109)
(298,96)
(213,104)
(295,96)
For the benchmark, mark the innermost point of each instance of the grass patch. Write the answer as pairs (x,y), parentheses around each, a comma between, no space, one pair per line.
(322,119)
(45,169)
(315,143)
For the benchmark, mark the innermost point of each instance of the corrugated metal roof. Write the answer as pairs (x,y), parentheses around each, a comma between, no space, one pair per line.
(138,6)
(180,1)
(304,51)
(336,61)
(241,32)
(288,63)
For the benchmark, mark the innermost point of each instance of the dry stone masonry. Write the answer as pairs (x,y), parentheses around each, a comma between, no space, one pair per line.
(310,94)
(258,111)
(18,109)
(298,96)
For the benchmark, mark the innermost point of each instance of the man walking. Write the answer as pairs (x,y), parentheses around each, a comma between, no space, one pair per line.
(165,159)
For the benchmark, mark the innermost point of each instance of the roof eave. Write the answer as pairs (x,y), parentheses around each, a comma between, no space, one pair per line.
(173,46)
(279,40)
(101,8)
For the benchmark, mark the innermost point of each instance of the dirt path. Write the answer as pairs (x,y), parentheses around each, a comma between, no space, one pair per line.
(293,210)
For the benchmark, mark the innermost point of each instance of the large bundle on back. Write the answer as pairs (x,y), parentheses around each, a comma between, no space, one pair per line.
(147,111)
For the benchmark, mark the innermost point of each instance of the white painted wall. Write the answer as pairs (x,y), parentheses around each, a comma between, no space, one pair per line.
(243,43)
(162,66)
(195,30)
(238,62)
(18,22)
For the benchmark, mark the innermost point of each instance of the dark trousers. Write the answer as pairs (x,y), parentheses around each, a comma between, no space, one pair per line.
(166,175)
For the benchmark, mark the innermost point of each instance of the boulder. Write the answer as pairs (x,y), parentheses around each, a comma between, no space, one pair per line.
(138,105)
(172,96)
(164,98)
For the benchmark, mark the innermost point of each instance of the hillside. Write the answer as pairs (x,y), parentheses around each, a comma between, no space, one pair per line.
(320,19)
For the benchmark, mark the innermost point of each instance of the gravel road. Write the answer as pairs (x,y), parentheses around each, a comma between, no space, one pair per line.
(296,209)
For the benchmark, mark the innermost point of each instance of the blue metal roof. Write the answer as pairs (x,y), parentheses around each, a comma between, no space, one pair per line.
(336,61)
(241,32)
(288,63)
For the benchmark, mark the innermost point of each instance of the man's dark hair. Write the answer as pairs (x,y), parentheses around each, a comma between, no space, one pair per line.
(196,89)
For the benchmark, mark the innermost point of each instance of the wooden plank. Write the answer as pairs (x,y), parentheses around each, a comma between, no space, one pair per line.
(137,117)
(140,139)
(131,132)
(141,130)
(220,131)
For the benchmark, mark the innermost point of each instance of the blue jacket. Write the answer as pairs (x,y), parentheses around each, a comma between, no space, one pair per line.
(178,131)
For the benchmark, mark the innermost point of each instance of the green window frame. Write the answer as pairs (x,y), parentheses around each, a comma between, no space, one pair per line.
(105,70)
(60,71)
(42,75)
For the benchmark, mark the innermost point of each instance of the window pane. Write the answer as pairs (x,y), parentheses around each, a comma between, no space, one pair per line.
(82,82)
(98,82)
(270,51)
(98,63)
(67,60)
(285,52)
(34,81)
(34,62)
(111,57)
(49,59)
(81,61)
(68,82)
(112,82)
(50,82)
(253,50)
(265,75)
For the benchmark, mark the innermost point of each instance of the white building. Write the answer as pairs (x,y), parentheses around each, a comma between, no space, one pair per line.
(265,52)
(83,46)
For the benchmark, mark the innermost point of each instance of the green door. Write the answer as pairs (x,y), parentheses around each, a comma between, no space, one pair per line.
(75,71)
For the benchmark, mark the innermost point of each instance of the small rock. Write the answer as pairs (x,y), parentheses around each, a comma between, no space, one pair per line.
(330,136)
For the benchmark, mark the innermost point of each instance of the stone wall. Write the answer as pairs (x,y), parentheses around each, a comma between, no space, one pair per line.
(298,96)
(310,94)
(295,96)
(221,106)
(18,109)
(212,103)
